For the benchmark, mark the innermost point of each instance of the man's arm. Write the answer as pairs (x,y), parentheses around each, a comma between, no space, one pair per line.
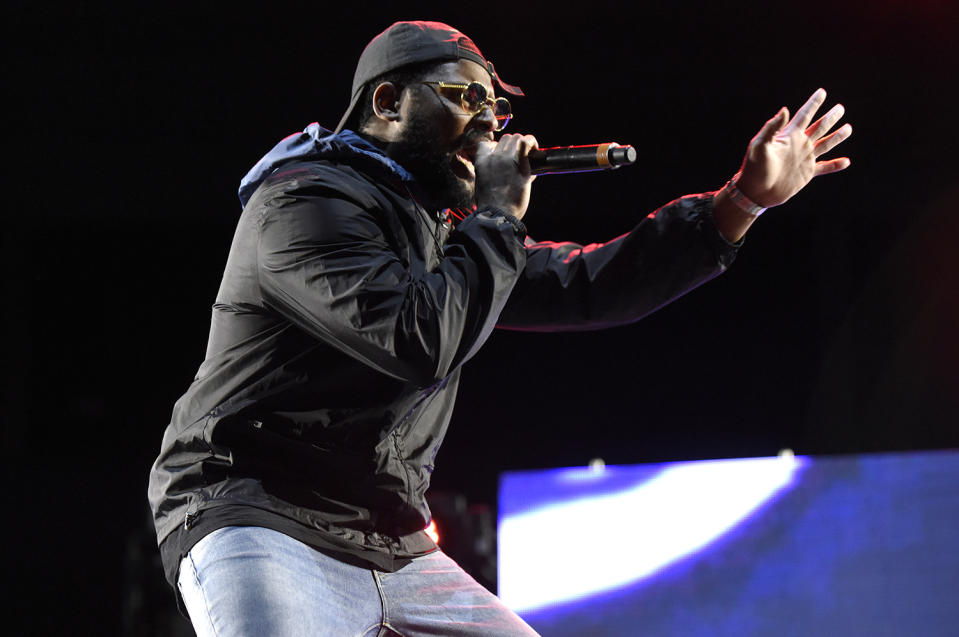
(329,266)
(685,243)
(567,286)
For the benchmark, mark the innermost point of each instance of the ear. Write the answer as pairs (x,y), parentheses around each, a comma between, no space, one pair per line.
(386,102)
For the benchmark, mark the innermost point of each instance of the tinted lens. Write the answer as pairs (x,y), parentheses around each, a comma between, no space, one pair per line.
(474,97)
(502,111)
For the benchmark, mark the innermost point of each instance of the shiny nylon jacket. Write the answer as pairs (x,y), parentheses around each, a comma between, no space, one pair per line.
(344,316)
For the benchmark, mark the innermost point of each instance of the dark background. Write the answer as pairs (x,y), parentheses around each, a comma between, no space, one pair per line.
(834,332)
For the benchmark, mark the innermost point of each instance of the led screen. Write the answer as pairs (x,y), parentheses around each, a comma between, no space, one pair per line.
(791,545)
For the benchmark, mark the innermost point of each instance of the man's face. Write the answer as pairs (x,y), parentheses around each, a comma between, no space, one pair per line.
(437,143)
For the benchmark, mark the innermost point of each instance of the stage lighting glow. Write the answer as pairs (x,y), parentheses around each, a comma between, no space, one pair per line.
(567,550)
(432,532)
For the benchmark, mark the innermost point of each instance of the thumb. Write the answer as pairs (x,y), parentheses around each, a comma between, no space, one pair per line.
(485,148)
(773,126)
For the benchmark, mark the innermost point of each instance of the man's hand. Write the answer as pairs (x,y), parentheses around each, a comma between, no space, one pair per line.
(503,177)
(781,159)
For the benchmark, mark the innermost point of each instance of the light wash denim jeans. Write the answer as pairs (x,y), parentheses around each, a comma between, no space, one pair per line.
(254,582)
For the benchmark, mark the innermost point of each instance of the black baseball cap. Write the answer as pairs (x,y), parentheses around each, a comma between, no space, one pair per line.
(405,43)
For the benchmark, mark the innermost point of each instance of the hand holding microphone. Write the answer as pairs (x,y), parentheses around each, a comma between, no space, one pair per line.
(500,183)
(503,179)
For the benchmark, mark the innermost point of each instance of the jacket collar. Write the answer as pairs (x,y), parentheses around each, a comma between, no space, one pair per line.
(317,142)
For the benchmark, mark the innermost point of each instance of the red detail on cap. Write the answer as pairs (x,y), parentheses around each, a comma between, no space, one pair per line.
(452,35)
(465,43)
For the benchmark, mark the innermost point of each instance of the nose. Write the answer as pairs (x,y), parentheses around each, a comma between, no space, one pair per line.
(486,118)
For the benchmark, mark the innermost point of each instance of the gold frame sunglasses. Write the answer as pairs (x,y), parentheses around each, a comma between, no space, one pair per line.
(474,98)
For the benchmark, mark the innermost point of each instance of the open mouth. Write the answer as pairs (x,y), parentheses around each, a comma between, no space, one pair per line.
(463,163)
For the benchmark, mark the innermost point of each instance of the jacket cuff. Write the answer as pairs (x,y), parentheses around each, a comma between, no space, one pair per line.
(696,211)
(518,225)
(710,214)
(724,249)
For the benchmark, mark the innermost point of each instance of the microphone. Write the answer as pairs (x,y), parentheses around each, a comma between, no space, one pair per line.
(580,159)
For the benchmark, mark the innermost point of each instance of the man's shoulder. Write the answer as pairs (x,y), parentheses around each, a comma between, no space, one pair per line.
(325,187)
(363,176)
(322,171)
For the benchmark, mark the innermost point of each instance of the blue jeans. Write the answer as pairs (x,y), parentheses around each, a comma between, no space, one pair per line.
(252,581)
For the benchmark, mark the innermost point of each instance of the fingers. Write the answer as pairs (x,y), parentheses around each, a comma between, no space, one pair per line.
(518,147)
(805,113)
(826,122)
(831,166)
(825,144)
(516,143)
(829,142)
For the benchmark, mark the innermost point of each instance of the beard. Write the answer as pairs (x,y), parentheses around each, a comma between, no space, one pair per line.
(419,151)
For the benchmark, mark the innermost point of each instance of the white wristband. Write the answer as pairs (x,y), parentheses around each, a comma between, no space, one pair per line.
(743,202)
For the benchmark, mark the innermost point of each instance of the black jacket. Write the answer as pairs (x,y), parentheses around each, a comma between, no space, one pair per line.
(345,313)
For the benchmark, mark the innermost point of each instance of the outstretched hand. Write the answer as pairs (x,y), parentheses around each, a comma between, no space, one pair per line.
(783,156)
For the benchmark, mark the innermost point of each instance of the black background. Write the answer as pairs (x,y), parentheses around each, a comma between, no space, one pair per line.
(833,333)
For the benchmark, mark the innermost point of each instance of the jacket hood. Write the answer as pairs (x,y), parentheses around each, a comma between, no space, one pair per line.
(313,143)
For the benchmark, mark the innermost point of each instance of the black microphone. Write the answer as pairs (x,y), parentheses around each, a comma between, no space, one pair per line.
(580,159)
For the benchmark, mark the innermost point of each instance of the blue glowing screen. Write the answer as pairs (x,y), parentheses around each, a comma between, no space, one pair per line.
(791,545)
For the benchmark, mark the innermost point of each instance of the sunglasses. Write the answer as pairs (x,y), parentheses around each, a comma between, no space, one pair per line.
(474,98)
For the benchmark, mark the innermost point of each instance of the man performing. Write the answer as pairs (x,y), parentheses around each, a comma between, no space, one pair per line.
(289,493)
